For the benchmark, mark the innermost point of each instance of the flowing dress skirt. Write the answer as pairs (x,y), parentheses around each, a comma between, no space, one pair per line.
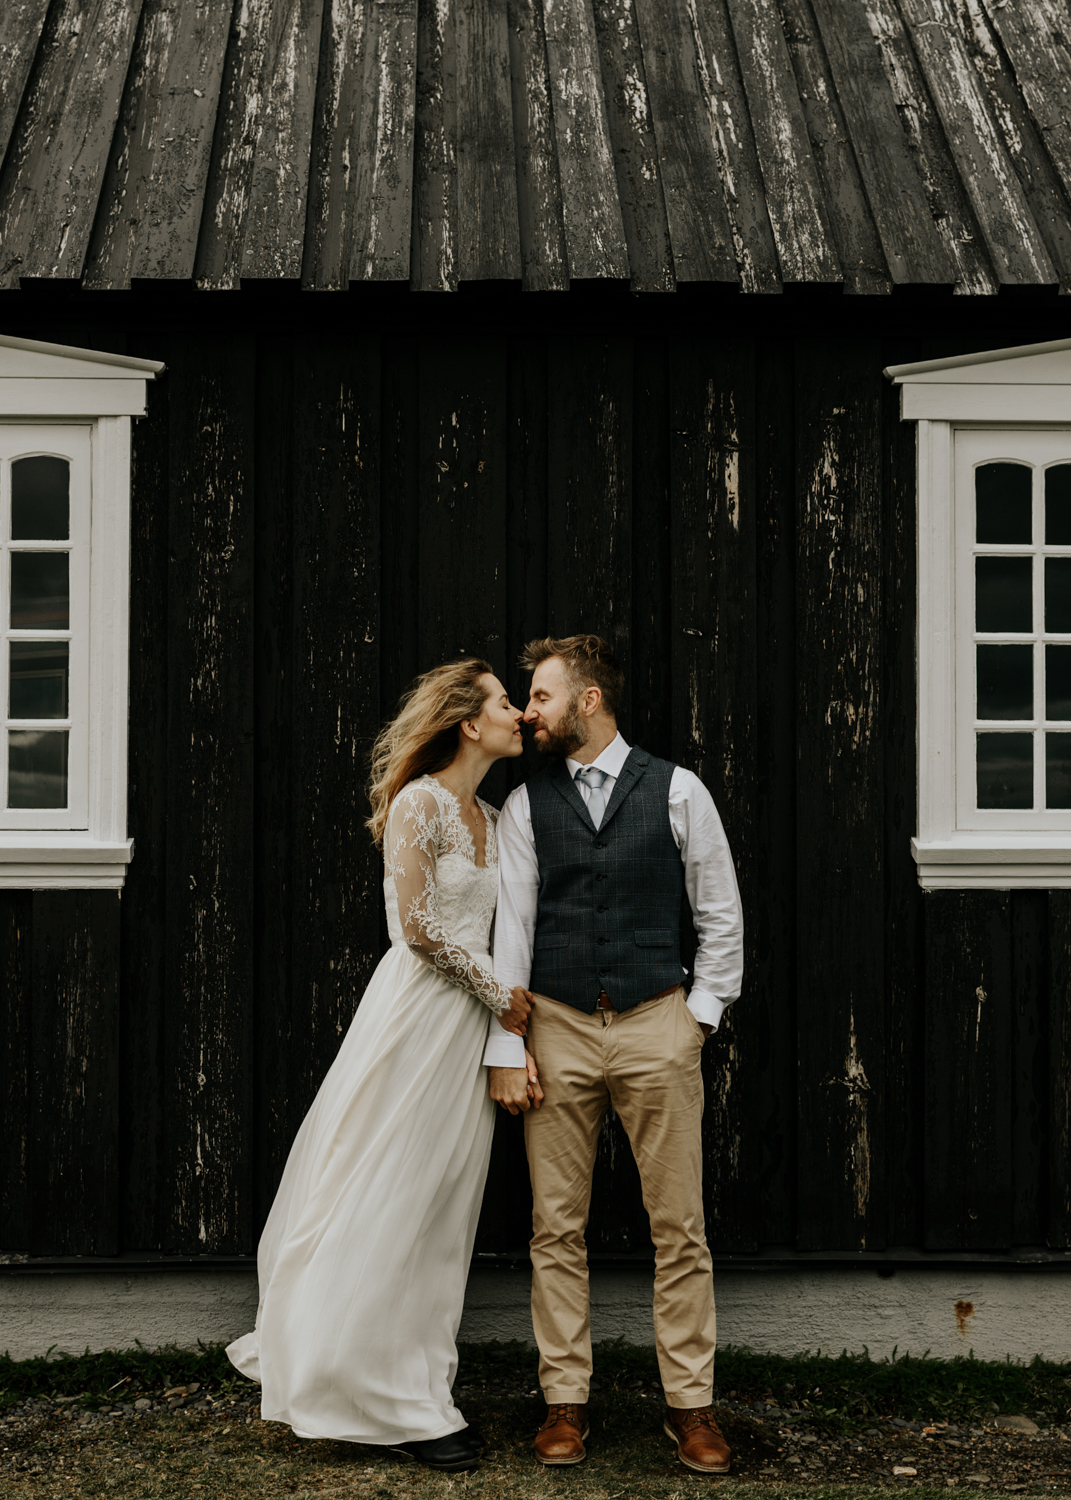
(365,1255)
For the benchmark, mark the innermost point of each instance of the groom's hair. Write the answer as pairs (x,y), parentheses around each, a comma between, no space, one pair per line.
(587,661)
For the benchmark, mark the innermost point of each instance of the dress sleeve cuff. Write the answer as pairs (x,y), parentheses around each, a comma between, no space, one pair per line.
(707,1009)
(504,1048)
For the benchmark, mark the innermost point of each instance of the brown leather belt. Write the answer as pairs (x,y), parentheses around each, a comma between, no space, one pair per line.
(605,1003)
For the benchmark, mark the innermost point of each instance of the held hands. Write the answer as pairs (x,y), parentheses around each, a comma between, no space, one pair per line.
(516,1018)
(517,1089)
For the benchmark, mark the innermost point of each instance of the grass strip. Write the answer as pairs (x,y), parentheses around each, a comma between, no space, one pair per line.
(837,1393)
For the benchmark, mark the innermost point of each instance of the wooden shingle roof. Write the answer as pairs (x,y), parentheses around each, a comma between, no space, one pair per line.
(751,143)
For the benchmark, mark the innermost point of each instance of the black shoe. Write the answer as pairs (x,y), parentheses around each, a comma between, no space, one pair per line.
(453,1453)
(474,1438)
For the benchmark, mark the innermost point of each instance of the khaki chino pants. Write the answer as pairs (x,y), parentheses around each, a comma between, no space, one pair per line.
(646,1064)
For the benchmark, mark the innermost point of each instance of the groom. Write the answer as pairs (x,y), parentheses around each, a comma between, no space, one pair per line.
(596,852)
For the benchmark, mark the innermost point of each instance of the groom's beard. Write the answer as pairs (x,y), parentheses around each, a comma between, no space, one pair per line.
(568,736)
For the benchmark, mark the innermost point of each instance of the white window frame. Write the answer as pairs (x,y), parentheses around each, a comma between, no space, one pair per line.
(1016,392)
(60,391)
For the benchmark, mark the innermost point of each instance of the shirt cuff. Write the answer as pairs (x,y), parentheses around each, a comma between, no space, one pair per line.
(707,1009)
(505,1049)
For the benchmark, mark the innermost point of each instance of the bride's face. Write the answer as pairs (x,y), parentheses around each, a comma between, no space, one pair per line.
(499,722)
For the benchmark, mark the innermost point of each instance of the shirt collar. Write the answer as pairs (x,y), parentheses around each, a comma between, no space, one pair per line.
(610,761)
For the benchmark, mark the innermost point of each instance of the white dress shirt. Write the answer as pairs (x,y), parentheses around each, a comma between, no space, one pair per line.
(709,879)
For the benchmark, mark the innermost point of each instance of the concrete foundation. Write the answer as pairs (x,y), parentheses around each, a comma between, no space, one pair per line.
(995,1313)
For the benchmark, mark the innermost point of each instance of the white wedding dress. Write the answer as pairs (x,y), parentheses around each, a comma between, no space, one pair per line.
(364,1257)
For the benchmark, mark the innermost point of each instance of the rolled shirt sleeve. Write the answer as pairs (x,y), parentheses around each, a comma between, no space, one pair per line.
(714,896)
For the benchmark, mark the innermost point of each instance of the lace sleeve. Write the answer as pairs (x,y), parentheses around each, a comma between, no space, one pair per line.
(410,850)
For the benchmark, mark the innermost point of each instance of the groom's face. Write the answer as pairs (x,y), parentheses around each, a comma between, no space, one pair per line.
(553,711)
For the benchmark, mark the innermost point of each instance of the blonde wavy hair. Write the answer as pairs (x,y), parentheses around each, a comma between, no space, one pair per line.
(423,735)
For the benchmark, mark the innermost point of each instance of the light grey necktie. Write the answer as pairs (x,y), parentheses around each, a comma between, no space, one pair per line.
(596,798)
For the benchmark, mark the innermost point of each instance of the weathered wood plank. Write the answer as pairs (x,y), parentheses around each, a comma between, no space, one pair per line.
(589,588)
(188,98)
(1037,40)
(801,226)
(904,997)
(712,560)
(279,1009)
(1014,242)
(635,153)
(527,539)
(589,478)
(254,216)
(854,231)
(912,246)
(153,194)
(678,77)
(489,247)
(969,1037)
(74,961)
(594,231)
(1059,1103)
(839,797)
(771,981)
(22,23)
(463,501)
(55,164)
(382,207)
(337,875)
(399,519)
(1030,1056)
(208,1044)
(434,257)
(360,196)
(704,27)
(648,716)
(539,191)
(951,215)
(1046,197)
(16,1083)
(143,909)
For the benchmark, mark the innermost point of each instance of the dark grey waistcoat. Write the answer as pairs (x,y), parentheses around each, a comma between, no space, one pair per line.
(609,899)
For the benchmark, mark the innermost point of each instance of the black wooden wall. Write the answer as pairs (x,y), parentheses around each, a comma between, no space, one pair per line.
(316,517)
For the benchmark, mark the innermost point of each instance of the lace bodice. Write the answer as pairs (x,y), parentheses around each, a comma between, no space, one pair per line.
(439,902)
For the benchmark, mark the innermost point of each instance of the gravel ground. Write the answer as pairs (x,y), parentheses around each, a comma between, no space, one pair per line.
(185,1439)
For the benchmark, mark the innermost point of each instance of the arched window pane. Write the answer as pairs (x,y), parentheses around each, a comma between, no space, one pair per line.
(1058,505)
(40,499)
(1003,504)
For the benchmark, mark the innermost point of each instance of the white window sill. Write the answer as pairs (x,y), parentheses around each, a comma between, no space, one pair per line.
(64,861)
(988,861)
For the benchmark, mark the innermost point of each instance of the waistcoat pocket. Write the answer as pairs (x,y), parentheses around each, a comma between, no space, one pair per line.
(655,937)
(552,940)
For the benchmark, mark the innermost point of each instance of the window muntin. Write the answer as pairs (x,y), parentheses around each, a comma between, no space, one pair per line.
(45,484)
(1013,628)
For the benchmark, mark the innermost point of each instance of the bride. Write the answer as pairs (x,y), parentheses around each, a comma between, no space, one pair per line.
(363,1260)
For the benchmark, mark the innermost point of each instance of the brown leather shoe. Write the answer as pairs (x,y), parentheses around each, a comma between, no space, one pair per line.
(560,1440)
(700,1444)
